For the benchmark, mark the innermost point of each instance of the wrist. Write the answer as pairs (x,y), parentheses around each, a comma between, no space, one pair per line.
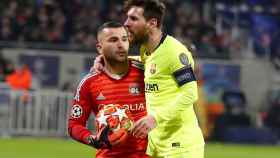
(152,121)
(92,141)
(153,118)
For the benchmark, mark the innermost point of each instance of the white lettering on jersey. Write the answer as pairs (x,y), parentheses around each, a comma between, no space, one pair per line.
(135,107)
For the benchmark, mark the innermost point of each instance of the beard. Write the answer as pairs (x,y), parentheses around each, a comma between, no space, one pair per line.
(117,58)
(139,38)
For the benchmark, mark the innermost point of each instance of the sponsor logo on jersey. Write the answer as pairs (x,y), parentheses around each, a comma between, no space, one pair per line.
(131,107)
(135,107)
(151,87)
(153,68)
(175,145)
(100,97)
(134,89)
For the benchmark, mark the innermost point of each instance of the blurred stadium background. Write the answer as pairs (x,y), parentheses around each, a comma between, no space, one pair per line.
(48,45)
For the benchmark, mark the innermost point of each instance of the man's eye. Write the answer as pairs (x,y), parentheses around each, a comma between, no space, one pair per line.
(113,40)
(133,18)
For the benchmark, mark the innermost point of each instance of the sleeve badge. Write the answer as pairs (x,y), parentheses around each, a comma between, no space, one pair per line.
(76,111)
(184,59)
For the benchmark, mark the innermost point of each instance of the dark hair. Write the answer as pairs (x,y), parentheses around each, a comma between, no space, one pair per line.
(109,24)
(152,8)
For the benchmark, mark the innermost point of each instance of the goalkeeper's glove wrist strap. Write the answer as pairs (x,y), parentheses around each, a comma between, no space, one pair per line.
(92,141)
(100,141)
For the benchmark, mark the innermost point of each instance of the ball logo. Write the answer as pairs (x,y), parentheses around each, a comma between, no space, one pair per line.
(76,111)
(115,116)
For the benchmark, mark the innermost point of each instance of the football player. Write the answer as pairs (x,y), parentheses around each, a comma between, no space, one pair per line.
(170,85)
(121,82)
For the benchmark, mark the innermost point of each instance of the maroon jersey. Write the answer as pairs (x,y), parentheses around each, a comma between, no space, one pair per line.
(100,89)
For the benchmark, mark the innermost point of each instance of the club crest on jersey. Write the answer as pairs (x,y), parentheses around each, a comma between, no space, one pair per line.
(184,59)
(77,111)
(153,68)
(134,89)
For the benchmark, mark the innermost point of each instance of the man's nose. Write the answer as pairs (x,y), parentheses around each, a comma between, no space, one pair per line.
(126,23)
(120,44)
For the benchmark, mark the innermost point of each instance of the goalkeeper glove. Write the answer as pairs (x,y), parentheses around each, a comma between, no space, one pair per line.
(107,139)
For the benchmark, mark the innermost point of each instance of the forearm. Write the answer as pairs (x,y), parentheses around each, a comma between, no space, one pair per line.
(79,133)
(186,98)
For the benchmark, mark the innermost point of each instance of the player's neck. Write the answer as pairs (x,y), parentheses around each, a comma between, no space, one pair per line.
(116,68)
(153,41)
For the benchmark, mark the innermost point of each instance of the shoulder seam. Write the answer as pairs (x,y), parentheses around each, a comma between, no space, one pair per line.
(81,83)
(137,64)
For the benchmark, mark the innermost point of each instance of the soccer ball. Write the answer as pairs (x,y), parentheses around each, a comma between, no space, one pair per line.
(115,116)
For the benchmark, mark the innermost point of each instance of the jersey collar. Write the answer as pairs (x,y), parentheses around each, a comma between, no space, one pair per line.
(164,35)
(116,76)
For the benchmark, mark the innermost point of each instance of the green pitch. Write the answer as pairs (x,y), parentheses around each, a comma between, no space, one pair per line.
(43,148)
(59,148)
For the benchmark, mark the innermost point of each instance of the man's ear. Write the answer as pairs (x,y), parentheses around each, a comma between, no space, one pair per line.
(152,22)
(98,46)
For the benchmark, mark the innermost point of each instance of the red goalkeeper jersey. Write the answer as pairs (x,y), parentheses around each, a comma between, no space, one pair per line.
(100,89)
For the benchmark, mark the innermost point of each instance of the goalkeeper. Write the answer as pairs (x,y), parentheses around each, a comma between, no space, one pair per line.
(121,82)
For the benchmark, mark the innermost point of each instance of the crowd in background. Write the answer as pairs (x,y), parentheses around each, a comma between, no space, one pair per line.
(218,29)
